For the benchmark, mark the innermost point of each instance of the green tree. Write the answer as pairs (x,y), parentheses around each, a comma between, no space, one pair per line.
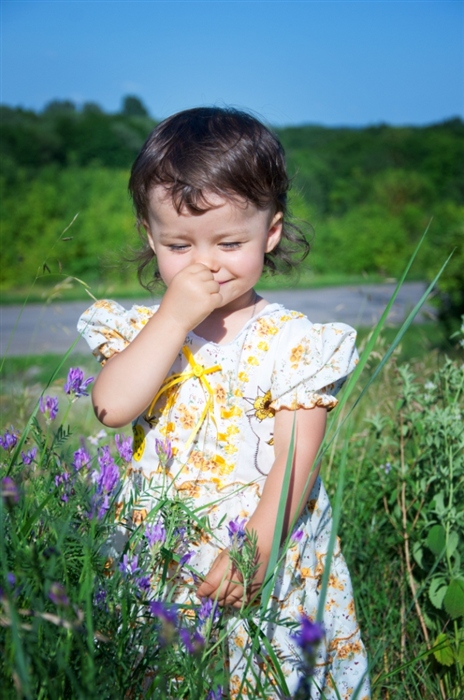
(132,106)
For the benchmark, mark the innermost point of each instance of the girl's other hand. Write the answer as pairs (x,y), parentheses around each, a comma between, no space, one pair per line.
(224,584)
(191,296)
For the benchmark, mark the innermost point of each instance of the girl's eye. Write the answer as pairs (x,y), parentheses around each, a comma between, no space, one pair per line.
(177,248)
(231,246)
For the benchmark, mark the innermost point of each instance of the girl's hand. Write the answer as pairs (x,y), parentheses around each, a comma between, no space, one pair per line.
(191,296)
(224,584)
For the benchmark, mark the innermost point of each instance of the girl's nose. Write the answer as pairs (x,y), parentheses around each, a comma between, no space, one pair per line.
(209,259)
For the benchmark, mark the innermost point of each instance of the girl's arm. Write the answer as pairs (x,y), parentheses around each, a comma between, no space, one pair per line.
(221,582)
(129,381)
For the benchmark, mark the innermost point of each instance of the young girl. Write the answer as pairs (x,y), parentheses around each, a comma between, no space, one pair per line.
(220,378)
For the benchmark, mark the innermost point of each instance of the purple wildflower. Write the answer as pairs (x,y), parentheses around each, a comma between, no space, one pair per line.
(236,530)
(163,612)
(63,480)
(309,634)
(215,694)
(208,610)
(297,536)
(11,578)
(76,385)
(129,565)
(9,440)
(103,507)
(57,594)
(99,599)
(106,480)
(29,456)
(167,615)
(194,643)
(108,476)
(181,534)
(185,558)
(48,405)
(163,449)
(10,491)
(124,446)
(81,458)
(386,468)
(155,534)
(144,583)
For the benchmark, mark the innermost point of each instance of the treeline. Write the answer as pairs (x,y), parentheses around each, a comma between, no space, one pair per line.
(368,193)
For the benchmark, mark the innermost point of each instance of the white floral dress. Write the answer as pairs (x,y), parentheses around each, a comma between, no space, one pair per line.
(217,410)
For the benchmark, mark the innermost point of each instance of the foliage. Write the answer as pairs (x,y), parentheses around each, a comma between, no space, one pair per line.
(48,204)
(86,603)
(403,505)
(367,192)
(64,136)
(75,625)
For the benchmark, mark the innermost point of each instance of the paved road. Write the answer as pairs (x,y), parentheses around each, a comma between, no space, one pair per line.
(51,328)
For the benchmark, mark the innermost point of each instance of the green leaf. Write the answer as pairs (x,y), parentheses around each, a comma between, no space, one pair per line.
(454,599)
(440,503)
(279,524)
(437,591)
(443,651)
(453,541)
(436,539)
(418,553)
(457,563)
(461,653)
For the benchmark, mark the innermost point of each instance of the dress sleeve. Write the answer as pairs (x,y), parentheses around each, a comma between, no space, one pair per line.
(108,327)
(312,362)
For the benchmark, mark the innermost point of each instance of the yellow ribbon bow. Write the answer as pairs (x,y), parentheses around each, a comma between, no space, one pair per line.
(195,370)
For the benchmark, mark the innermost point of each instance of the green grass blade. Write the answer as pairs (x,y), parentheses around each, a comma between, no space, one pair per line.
(333,532)
(279,524)
(272,656)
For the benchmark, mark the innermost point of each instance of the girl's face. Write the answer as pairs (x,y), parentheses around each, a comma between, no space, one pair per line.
(230,239)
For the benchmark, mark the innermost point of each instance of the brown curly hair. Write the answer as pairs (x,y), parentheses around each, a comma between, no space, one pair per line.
(214,150)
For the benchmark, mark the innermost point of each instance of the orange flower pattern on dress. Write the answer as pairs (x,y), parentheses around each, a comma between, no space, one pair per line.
(278,360)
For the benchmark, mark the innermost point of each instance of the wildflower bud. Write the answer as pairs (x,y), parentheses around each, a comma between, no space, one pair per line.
(124,446)
(57,594)
(129,565)
(10,493)
(237,532)
(168,618)
(29,456)
(155,534)
(297,536)
(81,458)
(9,440)
(163,449)
(48,405)
(309,635)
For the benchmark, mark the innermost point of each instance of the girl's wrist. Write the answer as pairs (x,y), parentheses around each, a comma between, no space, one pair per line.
(173,325)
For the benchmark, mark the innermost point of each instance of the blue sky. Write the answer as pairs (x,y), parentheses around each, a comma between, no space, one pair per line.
(329,62)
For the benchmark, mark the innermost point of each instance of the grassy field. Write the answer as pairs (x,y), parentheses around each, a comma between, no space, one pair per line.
(404,476)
